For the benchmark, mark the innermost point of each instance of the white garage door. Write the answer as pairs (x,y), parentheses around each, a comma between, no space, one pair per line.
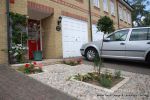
(74,34)
(95,34)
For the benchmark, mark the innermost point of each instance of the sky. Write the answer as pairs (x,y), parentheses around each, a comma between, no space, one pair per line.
(148,6)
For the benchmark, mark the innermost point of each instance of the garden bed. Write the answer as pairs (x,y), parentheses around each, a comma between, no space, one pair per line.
(31,68)
(106,80)
(57,75)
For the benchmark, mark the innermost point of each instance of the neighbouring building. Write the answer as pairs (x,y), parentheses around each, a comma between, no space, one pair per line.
(72,16)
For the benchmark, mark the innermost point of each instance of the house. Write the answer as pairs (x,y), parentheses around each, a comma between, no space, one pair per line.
(64,24)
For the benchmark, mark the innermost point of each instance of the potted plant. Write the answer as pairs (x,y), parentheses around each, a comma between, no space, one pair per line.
(38,53)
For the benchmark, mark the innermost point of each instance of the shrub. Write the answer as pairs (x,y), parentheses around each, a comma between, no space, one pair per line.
(72,62)
(104,81)
(117,74)
(33,68)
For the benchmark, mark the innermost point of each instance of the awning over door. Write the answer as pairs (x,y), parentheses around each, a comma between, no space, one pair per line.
(39,11)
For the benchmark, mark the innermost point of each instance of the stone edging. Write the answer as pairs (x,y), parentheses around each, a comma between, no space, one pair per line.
(112,90)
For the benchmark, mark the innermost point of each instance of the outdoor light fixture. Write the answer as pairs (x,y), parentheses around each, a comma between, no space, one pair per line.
(58,27)
(59,20)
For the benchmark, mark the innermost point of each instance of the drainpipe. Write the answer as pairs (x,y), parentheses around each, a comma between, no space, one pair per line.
(90,19)
(118,13)
(8,29)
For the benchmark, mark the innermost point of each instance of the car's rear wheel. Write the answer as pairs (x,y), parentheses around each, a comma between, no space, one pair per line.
(91,53)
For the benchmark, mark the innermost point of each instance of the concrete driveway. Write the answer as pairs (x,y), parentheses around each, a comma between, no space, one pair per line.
(17,86)
(130,66)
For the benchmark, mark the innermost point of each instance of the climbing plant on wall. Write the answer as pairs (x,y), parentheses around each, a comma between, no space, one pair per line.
(18,24)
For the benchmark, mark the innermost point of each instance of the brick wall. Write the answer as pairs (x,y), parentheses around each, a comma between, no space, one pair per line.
(52,39)
(3,33)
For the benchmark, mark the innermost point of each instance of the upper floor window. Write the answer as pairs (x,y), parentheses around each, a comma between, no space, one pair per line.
(96,3)
(120,12)
(112,7)
(105,5)
(128,17)
(124,14)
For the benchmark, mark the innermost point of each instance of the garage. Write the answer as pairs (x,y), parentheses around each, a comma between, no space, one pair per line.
(74,34)
(95,34)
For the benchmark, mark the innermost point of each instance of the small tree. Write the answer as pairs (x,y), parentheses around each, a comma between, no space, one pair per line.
(97,64)
(105,24)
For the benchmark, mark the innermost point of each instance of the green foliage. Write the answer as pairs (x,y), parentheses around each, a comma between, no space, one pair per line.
(140,11)
(72,62)
(98,63)
(18,22)
(31,68)
(105,24)
(18,51)
(18,19)
(83,77)
(117,74)
(104,81)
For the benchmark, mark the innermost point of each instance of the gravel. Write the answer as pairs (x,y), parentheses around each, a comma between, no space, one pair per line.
(137,88)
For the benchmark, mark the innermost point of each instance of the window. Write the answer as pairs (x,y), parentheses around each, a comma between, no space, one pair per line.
(119,36)
(140,34)
(112,7)
(128,17)
(124,15)
(105,5)
(96,3)
(120,12)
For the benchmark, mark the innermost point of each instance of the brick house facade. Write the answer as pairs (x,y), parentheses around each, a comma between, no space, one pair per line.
(49,12)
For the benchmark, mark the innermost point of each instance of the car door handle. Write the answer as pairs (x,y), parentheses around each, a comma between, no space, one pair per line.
(148,42)
(122,43)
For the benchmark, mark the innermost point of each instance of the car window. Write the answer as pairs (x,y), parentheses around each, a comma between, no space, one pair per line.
(148,34)
(139,34)
(119,36)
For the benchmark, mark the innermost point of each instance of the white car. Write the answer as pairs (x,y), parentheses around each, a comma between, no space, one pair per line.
(129,43)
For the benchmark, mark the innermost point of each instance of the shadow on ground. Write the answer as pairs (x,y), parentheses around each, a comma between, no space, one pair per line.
(130,66)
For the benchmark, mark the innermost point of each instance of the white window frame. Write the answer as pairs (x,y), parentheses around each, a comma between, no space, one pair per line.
(96,3)
(129,17)
(124,14)
(120,12)
(105,5)
(112,7)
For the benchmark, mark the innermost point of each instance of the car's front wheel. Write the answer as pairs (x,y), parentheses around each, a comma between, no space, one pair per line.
(91,53)
(148,58)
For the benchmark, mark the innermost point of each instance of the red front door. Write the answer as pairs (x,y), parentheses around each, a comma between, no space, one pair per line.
(32,47)
(33,37)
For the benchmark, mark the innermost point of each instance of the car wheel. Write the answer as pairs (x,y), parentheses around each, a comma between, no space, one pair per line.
(148,58)
(91,53)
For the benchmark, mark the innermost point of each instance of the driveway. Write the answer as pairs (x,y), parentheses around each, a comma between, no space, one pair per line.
(17,86)
(130,66)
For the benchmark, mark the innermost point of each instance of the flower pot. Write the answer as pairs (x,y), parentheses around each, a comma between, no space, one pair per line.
(37,55)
